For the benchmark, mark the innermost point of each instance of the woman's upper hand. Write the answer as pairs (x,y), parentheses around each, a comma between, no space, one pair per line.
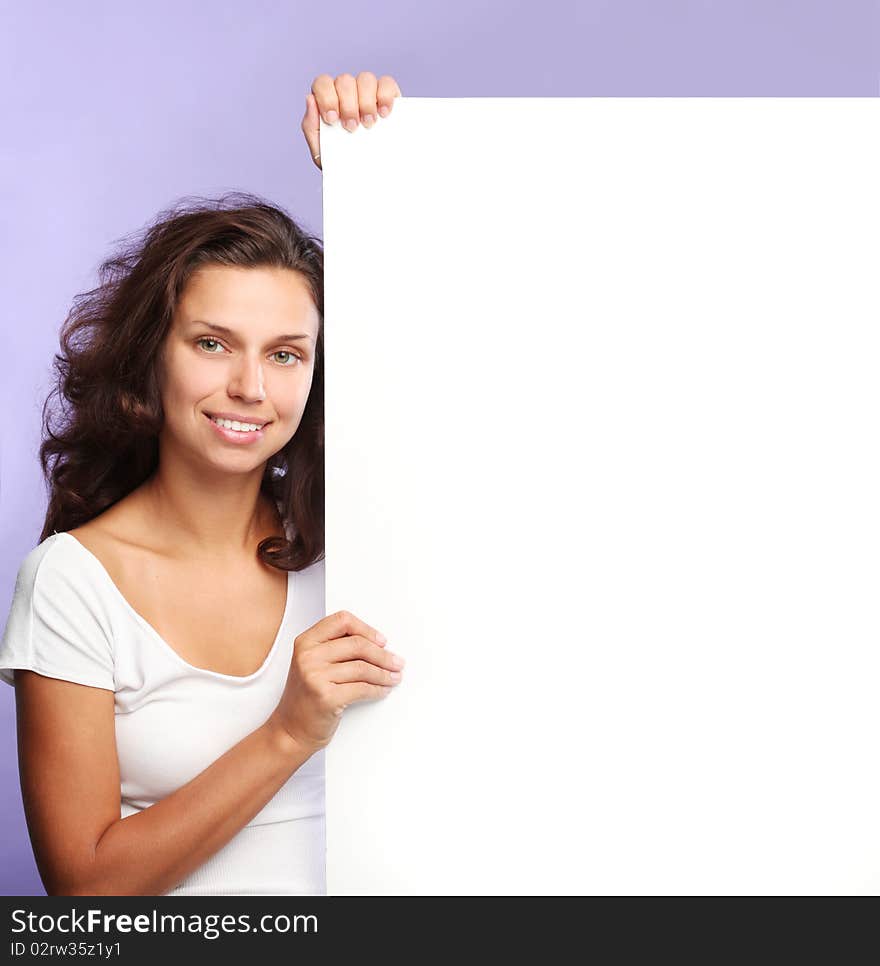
(349,100)
(335,662)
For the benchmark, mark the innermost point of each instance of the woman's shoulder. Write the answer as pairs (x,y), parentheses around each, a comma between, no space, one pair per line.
(60,617)
(57,567)
(311,590)
(118,538)
(71,561)
(101,542)
(45,558)
(314,571)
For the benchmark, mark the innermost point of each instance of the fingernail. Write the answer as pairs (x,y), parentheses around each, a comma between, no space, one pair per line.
(397,660)
(368,120)
(332,117)
(381,638)
(350,124)
(395,675)
(383,110)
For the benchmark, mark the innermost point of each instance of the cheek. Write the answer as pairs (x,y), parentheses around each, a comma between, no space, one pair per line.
(292,405)
(188,380)
(291,396)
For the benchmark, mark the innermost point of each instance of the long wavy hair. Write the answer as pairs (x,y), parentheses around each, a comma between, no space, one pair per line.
(102,441)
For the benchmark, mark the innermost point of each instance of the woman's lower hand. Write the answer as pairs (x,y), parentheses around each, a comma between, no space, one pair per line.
(348,100)
(337,661)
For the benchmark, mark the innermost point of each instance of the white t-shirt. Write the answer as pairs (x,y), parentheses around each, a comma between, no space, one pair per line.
(69,620)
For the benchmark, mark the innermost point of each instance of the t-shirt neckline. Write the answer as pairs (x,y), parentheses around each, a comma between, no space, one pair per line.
(239,678)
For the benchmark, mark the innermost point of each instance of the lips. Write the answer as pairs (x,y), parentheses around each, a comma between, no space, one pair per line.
(243,438)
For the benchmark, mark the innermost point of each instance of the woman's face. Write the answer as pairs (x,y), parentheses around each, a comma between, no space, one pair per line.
(242,342)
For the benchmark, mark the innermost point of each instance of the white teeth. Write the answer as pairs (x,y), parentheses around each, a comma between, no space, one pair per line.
(234,424)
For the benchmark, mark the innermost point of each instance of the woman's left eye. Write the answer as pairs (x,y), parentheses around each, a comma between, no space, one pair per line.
(291,355)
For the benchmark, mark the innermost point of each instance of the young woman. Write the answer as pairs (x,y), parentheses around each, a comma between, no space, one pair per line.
(175,680)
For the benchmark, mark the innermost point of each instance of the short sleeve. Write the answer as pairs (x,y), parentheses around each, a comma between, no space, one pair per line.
(57,624)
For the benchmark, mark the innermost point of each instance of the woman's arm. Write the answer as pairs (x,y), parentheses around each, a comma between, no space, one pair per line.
(70,788)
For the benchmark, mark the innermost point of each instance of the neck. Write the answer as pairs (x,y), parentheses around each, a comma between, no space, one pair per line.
(220,516)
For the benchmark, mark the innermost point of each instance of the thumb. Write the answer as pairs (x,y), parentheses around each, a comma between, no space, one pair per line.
(311,128)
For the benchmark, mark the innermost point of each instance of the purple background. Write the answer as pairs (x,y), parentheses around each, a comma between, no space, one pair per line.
(112,113)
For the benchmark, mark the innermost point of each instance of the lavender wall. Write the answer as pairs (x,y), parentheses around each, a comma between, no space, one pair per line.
(113,113)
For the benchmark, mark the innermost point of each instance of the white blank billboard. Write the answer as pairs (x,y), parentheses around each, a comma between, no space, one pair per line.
(602,463)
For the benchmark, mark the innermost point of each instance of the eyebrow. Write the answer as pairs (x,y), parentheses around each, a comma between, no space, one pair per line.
(232,335)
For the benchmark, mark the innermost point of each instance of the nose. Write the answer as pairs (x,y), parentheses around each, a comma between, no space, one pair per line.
(246,379)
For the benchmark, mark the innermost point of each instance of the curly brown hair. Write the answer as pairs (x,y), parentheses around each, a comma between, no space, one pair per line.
(103,441)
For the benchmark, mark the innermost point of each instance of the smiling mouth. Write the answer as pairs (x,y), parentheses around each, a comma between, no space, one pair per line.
(242,422)
(239,436)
